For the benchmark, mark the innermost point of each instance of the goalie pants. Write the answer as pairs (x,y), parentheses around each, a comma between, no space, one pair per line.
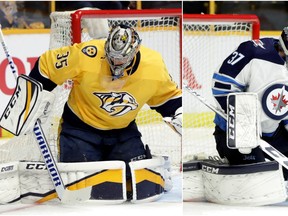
(279,141)
(80,142)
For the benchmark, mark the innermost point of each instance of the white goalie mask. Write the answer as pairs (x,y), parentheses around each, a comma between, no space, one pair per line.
(121,47)
(283,41)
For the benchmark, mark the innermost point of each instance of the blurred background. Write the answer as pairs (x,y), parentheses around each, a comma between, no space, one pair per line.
(273,15)
(35,15)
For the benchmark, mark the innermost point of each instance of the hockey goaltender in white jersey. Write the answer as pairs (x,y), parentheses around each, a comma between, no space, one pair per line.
(255,66)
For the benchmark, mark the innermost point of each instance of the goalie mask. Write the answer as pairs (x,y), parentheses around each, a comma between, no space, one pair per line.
(121,47)
(283,41)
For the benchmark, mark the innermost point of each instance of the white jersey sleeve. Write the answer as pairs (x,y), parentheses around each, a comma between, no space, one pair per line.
(255,66)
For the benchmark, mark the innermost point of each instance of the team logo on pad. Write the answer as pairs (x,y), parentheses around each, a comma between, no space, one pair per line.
(90,51)
(275,101)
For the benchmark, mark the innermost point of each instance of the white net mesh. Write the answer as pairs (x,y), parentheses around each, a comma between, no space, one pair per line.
(157,32)
(207,44)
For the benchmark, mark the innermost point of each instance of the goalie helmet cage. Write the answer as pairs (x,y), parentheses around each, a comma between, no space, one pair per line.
(207,41)
(159,29)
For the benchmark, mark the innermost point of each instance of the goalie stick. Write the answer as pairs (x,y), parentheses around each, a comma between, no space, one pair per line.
(63,193)
(266,147)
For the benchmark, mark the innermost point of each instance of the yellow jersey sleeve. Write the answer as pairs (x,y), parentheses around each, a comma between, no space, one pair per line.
(70,62)
(159,78)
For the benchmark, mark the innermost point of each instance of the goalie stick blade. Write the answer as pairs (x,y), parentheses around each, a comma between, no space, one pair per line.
(72,196)
(69,196)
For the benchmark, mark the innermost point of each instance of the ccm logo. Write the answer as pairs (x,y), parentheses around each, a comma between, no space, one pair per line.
(36,166)
(231,122)
(12,102)
(7,168)
(210,169)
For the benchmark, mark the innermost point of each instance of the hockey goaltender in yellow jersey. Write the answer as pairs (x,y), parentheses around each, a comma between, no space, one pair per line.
(99,99)
(112,79)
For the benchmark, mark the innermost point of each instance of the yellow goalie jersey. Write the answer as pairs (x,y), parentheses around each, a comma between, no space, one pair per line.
(96,98)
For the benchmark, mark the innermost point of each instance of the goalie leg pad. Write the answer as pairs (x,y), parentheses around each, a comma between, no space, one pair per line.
(109,185)
(35,183)
(249,185)
(193,188)
(106,180)
(148,179)
(9,183)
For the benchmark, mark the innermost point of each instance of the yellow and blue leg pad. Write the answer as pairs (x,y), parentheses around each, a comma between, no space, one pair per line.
(107,180)
(148,179)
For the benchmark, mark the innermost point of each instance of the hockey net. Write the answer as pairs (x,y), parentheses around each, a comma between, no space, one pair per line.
(208,40)
(159,29)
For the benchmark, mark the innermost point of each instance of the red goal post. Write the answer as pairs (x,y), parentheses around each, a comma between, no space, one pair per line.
(80,14)
(207,41)
(218,18)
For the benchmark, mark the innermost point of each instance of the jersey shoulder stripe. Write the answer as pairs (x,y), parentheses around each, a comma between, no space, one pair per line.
(247,51)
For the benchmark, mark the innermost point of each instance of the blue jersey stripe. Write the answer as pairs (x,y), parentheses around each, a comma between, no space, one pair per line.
(226,79)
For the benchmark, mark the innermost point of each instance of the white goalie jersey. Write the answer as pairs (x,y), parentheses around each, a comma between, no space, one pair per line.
(255,66)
